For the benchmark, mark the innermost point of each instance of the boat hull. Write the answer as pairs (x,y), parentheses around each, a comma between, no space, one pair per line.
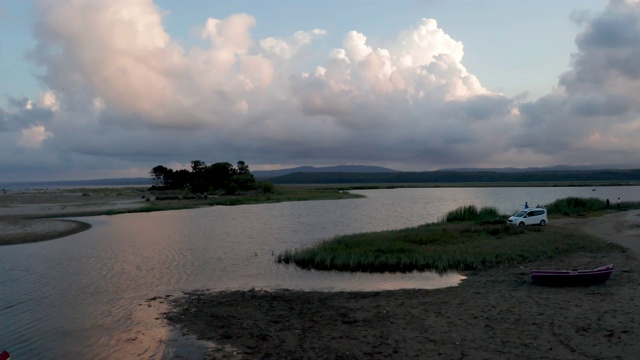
(571,277)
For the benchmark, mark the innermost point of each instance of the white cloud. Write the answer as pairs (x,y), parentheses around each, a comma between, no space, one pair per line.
(118,84)
(122,90)
(355,45)
(420,44)
(50,101)
(33,137)
(231,34)
(287,48)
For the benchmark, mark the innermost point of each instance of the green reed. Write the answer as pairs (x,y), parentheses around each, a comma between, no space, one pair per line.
(442,247)
(471,213)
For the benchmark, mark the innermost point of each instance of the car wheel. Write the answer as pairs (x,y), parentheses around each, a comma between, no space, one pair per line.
(521,224)
(543,223)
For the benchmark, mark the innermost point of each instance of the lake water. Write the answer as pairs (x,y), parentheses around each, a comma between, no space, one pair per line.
(83,296)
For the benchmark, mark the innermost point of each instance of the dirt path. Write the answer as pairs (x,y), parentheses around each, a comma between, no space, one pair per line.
(621,227)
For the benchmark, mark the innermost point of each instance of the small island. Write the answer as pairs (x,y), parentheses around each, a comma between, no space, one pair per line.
(31,215)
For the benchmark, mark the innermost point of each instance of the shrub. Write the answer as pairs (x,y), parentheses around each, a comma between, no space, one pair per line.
(267,188)
(576,205)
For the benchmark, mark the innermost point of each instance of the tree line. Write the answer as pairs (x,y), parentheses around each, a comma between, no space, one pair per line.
(203,178)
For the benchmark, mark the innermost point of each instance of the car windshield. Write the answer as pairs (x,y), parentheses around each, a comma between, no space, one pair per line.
(520,213)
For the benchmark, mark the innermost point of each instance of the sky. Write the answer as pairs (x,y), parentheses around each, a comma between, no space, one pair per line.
(95,89)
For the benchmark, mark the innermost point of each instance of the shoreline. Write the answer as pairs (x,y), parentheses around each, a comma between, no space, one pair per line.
(492,314)
(46,204)
(25,230)
(496,313)
(39,215)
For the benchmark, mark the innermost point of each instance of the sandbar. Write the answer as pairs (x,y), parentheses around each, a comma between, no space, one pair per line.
(38,215)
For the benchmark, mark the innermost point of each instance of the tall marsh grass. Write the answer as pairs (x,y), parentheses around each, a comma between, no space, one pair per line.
(576,205)
(471,213)
(579,206)
(444,246)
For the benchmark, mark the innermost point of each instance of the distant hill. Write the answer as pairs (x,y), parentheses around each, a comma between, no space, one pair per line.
(324,169)
(442,176)
(546,168)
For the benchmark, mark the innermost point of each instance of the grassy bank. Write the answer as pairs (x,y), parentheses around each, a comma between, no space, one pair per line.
(462,241)
(576,206)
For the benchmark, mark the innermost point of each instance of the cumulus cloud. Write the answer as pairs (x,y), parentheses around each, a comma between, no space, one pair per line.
(595,115)
(287,48)
(22,113)
(121,92)
(33,137)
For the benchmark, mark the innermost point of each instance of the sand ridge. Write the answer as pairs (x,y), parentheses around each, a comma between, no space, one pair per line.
(34,215)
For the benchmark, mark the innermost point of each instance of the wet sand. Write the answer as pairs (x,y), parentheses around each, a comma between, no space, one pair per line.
(30,216)
(22,230)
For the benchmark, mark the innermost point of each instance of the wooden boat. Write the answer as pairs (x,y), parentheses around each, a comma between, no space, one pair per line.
(572,277)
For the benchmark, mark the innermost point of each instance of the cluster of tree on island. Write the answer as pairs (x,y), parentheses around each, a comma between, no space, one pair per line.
(203,178)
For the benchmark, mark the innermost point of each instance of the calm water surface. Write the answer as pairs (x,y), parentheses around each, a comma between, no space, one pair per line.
(83,296)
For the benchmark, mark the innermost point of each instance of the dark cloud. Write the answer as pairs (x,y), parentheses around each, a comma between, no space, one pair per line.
(594,116)
(599,105)
(609,48)
(613,30)
(481,107)
(22,113)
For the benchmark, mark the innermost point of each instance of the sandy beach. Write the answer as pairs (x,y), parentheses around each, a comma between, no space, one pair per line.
(493,314)
(30,215)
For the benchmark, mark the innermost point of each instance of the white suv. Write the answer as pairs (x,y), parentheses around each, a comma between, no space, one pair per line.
(534,216)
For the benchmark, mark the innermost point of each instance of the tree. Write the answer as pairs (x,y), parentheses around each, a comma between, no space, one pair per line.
(243,169)
(217,175)
(203,178)
(198,166)
(160,175)
(180,179)
(198,177)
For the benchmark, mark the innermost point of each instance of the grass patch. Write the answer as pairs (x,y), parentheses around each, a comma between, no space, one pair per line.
(575,205)
(471,213)
(445,246)
(571,206)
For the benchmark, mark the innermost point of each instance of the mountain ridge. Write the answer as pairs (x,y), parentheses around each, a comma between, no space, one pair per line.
(322,169)
(366,173)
